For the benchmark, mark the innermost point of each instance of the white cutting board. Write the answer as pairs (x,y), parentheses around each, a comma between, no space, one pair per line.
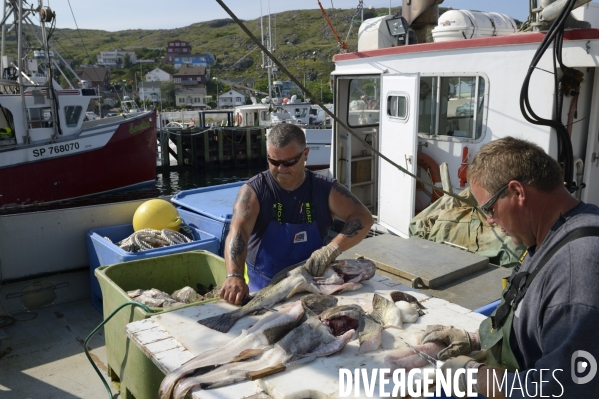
(317,379)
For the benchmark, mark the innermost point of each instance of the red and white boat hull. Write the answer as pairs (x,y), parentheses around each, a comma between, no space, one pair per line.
(102,158)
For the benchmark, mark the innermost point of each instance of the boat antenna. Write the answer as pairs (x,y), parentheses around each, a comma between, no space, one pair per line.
(334,117)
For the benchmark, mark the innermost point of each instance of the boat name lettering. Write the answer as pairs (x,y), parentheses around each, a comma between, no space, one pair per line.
(56,149)
(137,128)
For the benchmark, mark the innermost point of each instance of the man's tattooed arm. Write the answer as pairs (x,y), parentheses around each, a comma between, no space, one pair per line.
(242,203)
(352,227)
(237,250)
(345,192)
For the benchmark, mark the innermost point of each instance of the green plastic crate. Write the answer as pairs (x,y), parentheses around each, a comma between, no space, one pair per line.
(138,377)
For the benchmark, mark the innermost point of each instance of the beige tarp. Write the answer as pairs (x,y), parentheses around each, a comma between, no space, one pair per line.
(453,221)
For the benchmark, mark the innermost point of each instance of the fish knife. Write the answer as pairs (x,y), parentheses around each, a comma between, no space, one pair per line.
(429,359)
(254,375)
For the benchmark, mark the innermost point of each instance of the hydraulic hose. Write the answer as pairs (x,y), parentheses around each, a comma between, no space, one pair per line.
(141,305)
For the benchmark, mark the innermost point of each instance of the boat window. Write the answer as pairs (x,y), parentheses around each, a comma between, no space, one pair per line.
(72,114)
(397,106)
(452,106)
(364,101)
(265,116)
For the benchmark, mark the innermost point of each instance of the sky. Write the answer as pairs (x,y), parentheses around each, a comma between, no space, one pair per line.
(116,15)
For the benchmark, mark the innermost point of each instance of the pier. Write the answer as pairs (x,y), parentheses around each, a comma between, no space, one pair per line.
(212,143)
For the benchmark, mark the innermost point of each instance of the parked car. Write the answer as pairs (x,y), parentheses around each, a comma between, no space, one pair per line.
(176,126)
(91,116)
(466,109)
(111,114)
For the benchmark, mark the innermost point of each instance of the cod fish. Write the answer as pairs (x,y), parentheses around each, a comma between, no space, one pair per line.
(318,303)
(311,338)
(345,275)
(341,276)
(370,337)
(343,318)
(385,312)
(249,343)
(284,284)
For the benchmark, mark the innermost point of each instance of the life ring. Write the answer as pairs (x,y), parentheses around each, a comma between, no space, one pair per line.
(427,169)
(238,118)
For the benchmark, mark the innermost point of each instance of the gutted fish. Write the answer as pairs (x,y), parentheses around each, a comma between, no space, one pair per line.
(249,343)
(345,275)
(341,319)
(409,314)
(318,303)
(311,338)
(400,296)
(370,336)
(406,358)
(385,312)
(187,295)
(284,285)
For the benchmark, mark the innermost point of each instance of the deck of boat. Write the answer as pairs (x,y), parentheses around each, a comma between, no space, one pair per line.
(41,354)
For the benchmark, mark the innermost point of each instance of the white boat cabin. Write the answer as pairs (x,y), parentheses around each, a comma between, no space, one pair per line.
(425,104)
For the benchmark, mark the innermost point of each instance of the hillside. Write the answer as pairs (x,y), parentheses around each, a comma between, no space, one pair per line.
(236,54)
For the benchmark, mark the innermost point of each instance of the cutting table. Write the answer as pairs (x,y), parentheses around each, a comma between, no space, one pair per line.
(173,338)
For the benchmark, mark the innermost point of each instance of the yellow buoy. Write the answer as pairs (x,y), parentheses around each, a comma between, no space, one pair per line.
(156,214)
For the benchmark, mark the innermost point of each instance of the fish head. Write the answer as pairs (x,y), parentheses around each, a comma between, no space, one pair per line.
(341,319)
(318,303)
(354,270)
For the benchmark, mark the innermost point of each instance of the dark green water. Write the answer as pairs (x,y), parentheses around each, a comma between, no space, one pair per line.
(173,181)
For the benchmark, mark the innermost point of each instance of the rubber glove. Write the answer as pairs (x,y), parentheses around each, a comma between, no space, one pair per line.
(456,363)
(458,341)
(321,258)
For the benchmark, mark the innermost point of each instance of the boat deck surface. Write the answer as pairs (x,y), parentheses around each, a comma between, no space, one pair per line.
(41,354)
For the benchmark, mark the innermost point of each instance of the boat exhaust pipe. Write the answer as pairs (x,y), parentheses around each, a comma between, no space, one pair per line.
(421,16)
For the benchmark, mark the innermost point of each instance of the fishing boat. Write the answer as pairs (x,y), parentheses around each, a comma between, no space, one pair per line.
(49,150)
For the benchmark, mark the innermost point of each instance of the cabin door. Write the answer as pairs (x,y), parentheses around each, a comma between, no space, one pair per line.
(398,141)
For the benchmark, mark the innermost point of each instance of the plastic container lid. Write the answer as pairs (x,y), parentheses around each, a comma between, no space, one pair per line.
(215,202)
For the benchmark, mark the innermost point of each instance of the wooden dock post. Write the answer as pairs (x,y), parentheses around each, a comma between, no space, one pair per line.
(220,147)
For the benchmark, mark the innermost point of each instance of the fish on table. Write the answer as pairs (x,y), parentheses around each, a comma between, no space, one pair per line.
(251,342)
(312,338)
(341,276)
(318,303)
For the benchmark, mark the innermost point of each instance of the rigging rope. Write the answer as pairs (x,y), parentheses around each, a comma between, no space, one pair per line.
(145,239)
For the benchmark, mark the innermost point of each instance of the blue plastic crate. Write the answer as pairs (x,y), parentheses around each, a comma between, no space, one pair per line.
(214,202)
(218,228)
(488,309)
(101,252)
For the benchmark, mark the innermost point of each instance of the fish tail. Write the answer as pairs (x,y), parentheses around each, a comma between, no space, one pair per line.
(222,323)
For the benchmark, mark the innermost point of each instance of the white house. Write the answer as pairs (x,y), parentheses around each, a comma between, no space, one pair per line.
(150,91)
(158,75)
(231,99)
(192,97)
(115,58)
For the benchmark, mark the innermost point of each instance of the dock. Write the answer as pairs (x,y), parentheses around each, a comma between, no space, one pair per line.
(212,144)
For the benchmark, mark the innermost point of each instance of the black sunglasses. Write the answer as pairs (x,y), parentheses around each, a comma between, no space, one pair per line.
(486,207)
(287,163)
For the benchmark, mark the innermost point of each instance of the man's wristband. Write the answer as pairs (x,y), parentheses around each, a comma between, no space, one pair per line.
(236,275)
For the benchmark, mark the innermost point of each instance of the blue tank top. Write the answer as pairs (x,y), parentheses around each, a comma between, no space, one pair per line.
(314,190)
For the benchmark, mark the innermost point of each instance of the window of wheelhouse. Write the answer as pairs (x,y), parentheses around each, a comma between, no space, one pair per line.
(452,106)
(364,101)
(72,114)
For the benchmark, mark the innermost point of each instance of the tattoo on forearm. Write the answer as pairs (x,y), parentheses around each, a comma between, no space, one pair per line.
(242,203)
(352,227)
(345,192)
(237,247)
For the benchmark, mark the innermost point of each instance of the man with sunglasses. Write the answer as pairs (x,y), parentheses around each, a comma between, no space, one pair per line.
(548,319)
(282,216)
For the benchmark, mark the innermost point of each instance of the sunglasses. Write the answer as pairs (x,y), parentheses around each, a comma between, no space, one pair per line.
(287,163)
(486,207)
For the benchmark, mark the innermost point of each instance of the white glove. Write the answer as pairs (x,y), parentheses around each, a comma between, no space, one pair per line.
(458,341)
(321,258)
